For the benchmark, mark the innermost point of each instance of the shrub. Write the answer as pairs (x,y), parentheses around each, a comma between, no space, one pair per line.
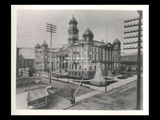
(116,70)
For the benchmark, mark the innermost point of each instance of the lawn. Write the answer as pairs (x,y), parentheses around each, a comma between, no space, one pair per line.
(121,99)
(63,89)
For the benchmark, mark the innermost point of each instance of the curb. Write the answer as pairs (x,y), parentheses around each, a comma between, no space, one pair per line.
(121,86)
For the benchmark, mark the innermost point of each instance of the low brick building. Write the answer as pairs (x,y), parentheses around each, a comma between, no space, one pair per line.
(130,61)
(26,59)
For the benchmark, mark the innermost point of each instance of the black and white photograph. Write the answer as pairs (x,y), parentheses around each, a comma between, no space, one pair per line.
(79,59)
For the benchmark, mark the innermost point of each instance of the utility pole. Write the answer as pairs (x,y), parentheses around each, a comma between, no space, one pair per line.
(139,63)
(42,65)
(106,32)
(52,29)
(139,51)
(105,73)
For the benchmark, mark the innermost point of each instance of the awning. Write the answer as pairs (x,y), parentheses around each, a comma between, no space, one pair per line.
(37,93)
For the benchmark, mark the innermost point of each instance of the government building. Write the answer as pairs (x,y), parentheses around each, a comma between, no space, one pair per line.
(87,51)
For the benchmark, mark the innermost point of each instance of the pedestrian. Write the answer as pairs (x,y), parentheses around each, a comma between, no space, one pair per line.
(72,95)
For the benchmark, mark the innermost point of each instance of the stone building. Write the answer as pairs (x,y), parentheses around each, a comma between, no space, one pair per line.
(87,51)
(26,60)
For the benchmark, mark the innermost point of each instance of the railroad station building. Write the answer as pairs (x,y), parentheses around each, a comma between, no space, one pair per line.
(89,50)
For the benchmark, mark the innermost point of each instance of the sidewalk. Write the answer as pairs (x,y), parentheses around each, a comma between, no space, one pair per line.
(119,82)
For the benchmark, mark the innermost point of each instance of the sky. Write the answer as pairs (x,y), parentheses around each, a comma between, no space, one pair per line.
(105,24)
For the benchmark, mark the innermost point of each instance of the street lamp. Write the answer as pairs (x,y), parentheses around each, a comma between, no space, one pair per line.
(105,70)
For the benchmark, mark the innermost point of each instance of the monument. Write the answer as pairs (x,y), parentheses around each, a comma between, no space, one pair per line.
(98,78)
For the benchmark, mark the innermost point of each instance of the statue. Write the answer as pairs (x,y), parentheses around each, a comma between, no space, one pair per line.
(98,74)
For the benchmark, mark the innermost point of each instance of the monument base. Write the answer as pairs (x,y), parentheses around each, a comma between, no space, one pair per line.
(98,83)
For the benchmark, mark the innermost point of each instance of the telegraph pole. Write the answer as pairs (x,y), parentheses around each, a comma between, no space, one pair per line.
(52,29)
(105,73)
(139,64)
(106,32)
(139,51)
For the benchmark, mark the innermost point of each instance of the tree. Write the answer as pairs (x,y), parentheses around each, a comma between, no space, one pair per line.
(30,71)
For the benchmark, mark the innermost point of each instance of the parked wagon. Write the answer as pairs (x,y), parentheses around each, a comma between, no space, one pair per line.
(37,97)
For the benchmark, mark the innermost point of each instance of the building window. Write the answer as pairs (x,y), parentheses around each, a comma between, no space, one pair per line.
(90,68)
(95,67)
(95,57)
(60,71)
(75,66)
(95,49)
(63,66)
(69,66)
(90,74)
(79,67)
(75,73)
(98,57)
(72,66)
(79,74)
(90,57)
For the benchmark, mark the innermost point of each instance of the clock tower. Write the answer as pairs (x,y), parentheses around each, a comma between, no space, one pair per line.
(72,31)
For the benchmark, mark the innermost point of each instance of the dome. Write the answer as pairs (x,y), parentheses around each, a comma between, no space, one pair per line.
(116,41)
(73,20)
(44,44)
(37,46)
(88,33)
